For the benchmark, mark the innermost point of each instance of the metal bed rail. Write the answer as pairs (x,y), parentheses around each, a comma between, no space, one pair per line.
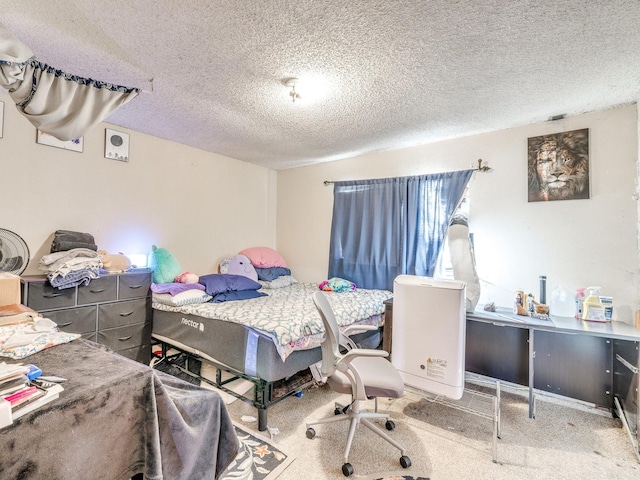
(265,393)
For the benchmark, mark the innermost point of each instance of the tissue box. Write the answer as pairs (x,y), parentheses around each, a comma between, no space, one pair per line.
(9,288)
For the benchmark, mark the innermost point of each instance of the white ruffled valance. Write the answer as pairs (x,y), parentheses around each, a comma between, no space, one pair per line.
(60,104)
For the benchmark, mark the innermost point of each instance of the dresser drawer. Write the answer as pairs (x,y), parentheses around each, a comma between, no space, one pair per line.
(42,296)
(112,315)
(101,289)
(122,338)
(75,320)
(134,285)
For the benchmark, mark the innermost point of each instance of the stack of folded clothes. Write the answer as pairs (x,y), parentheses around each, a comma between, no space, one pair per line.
(67,269)
(73,259)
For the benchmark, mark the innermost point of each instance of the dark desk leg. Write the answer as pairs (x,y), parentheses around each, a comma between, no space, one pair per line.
(387,331)
(532,356)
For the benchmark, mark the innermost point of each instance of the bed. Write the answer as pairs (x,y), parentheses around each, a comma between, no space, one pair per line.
(271,340)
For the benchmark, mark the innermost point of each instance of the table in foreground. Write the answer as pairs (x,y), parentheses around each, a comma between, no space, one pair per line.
(117,418)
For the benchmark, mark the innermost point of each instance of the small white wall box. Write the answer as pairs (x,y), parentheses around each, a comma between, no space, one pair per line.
(429,334)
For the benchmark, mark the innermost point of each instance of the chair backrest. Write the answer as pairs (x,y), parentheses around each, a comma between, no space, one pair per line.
(331,343)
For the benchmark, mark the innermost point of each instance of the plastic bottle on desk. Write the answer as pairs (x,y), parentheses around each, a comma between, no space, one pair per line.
(562,303)
(579,302)
(530,304)
(593,309)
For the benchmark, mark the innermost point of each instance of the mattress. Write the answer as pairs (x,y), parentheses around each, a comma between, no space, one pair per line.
(270,337)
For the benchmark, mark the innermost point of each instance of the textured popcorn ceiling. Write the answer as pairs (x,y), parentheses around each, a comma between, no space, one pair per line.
(394,73)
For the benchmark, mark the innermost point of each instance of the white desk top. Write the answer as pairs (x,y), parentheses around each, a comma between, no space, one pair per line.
(503,316)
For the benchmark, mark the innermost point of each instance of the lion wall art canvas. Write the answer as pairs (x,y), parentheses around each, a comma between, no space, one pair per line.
(559,166)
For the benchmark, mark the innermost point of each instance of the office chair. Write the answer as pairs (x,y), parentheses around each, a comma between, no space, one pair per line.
(363,373)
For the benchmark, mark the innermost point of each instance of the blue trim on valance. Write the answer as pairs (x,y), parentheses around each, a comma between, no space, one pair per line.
(80,80)
(38,65)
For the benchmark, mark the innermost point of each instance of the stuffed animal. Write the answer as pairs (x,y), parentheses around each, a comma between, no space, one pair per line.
(239,265)
(164,266)
(187,277)
(114,262)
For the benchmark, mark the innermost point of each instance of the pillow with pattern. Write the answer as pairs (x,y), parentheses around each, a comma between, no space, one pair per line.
(279,282)
(188,297)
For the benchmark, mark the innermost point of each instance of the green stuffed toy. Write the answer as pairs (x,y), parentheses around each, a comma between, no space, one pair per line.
(164,266)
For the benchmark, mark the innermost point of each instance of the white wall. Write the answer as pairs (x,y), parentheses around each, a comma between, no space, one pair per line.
(201,206)
(204,207)
(575,243)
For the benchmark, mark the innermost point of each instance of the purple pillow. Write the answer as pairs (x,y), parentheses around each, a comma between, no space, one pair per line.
(175,288)
(236,295)
(216,283)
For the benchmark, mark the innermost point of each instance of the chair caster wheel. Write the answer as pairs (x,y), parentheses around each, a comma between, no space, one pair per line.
(337,411)
(405,461)
(347,470)
(389,425)
(311,433)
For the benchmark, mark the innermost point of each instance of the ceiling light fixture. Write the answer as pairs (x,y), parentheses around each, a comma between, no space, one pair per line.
(293,93)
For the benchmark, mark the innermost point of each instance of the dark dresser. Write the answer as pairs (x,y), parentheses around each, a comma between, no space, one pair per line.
(114,310)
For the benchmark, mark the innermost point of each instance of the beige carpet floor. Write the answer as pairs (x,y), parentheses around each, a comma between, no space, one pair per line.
(566,440)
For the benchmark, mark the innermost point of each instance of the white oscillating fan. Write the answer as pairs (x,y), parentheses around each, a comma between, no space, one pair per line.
(14,253)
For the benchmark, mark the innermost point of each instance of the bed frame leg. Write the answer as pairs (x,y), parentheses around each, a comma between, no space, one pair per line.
(262,419)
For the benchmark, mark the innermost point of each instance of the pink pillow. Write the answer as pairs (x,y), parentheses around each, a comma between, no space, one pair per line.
(264,257)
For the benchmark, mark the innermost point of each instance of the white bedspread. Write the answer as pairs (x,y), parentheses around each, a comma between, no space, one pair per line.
(288,314)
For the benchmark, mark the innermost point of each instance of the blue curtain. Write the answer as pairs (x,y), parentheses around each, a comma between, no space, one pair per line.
(386,227)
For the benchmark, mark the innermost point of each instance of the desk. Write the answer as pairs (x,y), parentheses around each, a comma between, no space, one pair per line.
(117,418)
(590,361)
(594,362)
(561,355)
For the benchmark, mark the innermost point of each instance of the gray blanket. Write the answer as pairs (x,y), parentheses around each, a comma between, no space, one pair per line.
(117,418)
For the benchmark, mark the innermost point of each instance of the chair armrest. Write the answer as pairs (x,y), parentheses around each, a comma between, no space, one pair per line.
(351,328)
(362,352)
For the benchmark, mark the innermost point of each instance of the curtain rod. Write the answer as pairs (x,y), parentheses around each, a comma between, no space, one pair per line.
(480,168)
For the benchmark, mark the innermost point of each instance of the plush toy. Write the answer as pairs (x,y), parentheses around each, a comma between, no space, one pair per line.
(239,265)
(114,262)
(164,266)
(187,277)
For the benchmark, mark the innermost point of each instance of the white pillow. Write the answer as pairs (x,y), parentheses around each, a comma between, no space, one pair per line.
(283,281)
(187,297)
